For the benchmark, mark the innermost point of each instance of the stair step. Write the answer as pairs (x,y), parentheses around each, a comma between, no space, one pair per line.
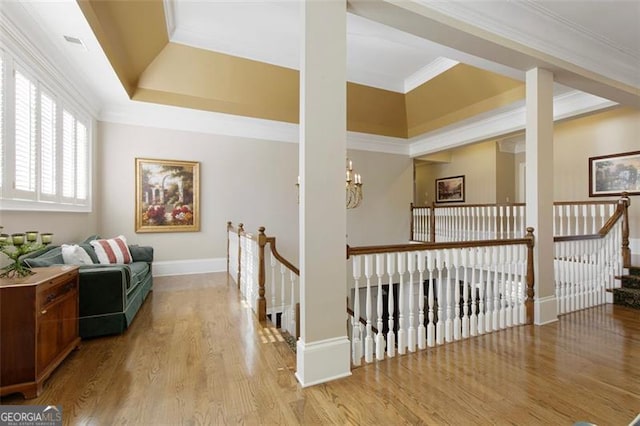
(630,281)
(634,270)
(627,297)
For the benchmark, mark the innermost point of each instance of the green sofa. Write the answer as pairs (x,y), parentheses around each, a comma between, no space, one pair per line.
(110,294)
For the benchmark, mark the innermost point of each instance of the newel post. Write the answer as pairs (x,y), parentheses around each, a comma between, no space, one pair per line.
(432,223)
(530,276)
(240,232)
(624,201)
(262,302)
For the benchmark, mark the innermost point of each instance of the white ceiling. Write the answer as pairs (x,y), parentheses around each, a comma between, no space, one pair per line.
(377,55)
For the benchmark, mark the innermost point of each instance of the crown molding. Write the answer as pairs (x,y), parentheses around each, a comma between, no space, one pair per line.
(502,122)
(428,72)
(376,143)
(485,126)
(580,46)
(192,120)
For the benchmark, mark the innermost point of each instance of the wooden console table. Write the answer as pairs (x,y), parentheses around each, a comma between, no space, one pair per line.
(38,327)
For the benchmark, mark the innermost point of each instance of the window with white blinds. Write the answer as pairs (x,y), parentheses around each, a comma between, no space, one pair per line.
(44,144)
(25,134)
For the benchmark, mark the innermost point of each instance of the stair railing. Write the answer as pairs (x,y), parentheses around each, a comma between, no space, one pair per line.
(586,266)
(258,271)
(439,223)
(437,293)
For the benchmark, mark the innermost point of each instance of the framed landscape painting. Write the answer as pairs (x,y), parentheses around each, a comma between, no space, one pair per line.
(611,175)
(167,195)
(450,190)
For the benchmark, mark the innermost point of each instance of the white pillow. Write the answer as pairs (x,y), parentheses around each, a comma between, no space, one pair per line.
(112,250)
(73,254)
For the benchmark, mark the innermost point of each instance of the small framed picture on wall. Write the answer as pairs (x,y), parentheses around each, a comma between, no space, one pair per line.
(611,175)
(450,190)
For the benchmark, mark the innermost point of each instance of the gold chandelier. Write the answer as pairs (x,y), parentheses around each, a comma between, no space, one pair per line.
(353,187)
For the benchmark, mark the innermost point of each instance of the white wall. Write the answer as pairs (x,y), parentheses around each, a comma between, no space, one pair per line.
(384,215)
(477,163)
(242,180)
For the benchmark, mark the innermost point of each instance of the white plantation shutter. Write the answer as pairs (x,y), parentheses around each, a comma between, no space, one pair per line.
(68,155)
(25,133)
(82,150)
(45,142)
(47,145)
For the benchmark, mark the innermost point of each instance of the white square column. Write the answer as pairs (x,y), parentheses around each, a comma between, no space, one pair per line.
(323,349)
(539,187)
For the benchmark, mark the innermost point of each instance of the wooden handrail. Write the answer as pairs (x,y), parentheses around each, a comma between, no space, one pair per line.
(274,251)
(353,251)
(555,203)
(603,232)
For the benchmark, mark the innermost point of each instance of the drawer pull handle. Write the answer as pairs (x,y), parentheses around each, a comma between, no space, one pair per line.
(44,311)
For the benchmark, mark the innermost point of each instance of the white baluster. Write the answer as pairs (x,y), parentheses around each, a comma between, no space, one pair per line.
(501,216)
(379,325)
(448,326)
(284,317)
(391,335)
(495,325)
(481,290)
(522,297)
(439,300)
(576,212)
(509,285)
(402,332)
(355,323)
(272,286)
(510,223)
(422,338)
(465,293)
(503,297)
(431,328)
(411,333)
(473,321)
(292,307)
(456,296)
(368,340)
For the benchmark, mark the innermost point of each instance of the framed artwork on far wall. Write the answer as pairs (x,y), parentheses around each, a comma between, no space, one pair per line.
(167,195)
(450,190)
(611,175)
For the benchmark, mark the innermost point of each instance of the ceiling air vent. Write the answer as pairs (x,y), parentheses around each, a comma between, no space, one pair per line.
(76,41)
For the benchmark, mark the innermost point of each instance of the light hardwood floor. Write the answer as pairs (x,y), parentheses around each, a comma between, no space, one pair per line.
(196,355)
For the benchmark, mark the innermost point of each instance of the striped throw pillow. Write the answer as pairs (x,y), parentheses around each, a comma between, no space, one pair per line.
(112,250)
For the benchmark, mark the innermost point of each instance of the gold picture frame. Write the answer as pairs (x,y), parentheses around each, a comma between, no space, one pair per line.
(167,195)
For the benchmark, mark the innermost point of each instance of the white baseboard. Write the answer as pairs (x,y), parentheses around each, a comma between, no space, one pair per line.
(545,310)
(323,361)
(634,246)
(192,266)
